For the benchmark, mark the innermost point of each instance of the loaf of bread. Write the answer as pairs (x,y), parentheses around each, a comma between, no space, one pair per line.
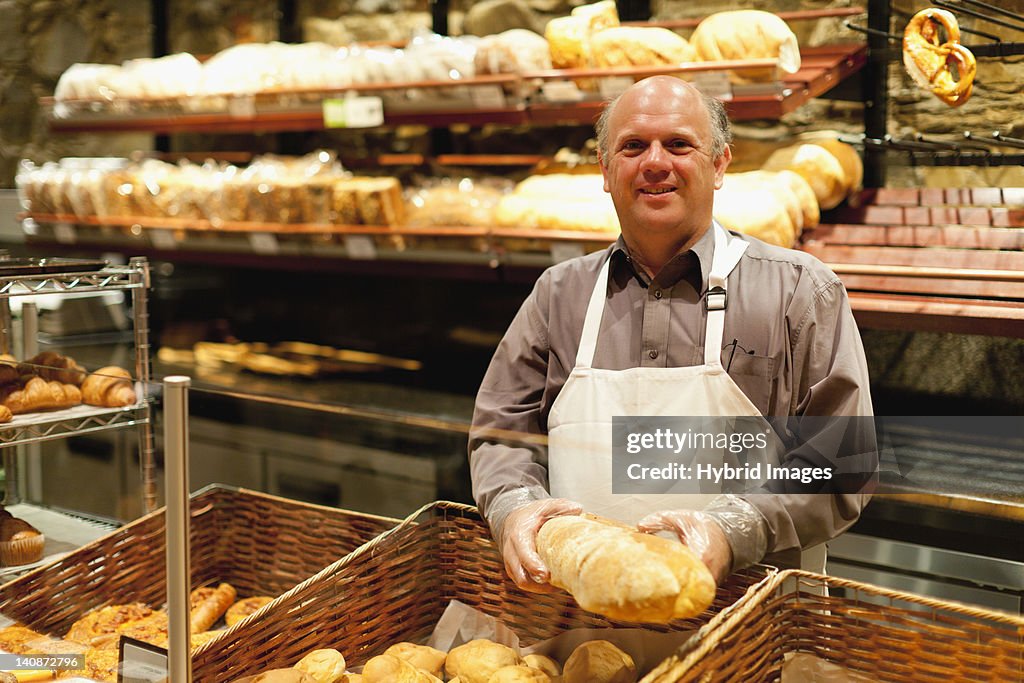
(599,661)
(326,665)
(569,37)
(848,158)
(639,46)
(818,166)
(38,394)
(927,58)
(512,51)
(477,660)
(616,571)
(773,206)
(746,34)
(109,387)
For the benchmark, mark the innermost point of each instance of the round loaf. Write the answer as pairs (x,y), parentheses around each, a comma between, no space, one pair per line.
(323,666)
(746,34)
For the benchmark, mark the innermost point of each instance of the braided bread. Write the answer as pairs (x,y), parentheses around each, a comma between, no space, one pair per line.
(928,60)
(109,387)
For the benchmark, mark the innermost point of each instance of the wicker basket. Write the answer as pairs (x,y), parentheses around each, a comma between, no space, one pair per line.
(874,633)
(260,544)
(396,588)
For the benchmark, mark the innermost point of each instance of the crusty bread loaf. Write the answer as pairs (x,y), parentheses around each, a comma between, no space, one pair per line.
(639,46)
(818,166)
(761,211)
(621,573)
(746,34)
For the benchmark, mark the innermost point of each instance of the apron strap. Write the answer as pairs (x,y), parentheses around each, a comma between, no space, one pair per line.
(592,323)
(728,251)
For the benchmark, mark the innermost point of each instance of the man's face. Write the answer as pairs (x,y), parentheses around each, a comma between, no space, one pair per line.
(658,167)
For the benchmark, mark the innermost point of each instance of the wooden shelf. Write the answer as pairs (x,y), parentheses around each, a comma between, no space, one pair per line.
(823,68)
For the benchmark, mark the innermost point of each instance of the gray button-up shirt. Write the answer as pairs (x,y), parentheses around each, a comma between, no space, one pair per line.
(790,344)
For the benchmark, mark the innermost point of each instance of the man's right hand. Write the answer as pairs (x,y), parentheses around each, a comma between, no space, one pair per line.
(518,543)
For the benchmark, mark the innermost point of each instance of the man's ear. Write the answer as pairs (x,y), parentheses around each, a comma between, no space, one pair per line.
(604,170)
(722,163)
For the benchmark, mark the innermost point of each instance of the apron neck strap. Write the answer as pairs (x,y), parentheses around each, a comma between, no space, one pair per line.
(592,323)
(728,251)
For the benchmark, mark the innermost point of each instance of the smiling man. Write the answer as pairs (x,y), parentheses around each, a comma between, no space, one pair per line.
(651,327)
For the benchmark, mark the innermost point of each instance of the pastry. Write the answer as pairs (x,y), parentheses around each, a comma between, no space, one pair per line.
(244,607)
(616,571)
(207,605)
(20,542)
(52,366)
(109,387)
(323,666)
(928,60)
(101,623)
(38,394)
(477,660)
(599,661)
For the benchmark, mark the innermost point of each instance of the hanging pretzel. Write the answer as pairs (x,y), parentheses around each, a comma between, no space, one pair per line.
(928,60)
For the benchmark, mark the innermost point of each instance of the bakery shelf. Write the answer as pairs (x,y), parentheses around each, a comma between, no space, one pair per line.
(82,419)
(103,278)
(509,100)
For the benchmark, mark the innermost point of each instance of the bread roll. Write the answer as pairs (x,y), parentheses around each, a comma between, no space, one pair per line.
(477,660)
(422,657)
(639,46)
(544,663)
(746,34)
(323,666)
(209,604)
(391,669)
(519,673)
(599,661)
(818,166)
(621,573)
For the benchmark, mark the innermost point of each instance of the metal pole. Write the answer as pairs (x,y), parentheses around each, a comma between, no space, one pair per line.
(143,373)
(179,653)
(29,458)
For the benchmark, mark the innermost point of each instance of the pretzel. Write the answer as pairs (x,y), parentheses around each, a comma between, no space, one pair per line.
(928,60)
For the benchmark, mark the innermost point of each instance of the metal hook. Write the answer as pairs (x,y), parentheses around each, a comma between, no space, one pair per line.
(891,37)
(963,10)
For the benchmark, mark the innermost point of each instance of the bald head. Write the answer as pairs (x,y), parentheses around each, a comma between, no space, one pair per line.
(658,88)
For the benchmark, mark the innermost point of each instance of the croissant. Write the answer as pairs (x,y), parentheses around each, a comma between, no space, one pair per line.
(109,387)
(928,61)
(52,366)
(9,370)
(39,394)
(5,414)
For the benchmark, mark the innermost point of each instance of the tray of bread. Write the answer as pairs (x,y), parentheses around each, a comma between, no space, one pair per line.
(395,589)
(244,544)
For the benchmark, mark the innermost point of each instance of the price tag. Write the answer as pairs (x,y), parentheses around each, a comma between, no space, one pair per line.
(488,97)
(714,83)
(242,106)
(163,239)
(64,233)
(561,91)
(563,251)
(360,247)
(353,112)
(140,662)
(613,86)
(264,243)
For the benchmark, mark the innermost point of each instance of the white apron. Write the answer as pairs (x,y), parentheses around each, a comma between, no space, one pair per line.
(580,421)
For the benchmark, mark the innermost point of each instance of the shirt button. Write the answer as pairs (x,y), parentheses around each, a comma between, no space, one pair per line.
(657,294)
(653,353)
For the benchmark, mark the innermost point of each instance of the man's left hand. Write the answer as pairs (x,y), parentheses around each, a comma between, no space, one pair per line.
(699,532)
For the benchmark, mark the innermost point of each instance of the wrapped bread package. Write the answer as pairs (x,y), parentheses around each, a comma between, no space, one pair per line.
(639,46)
(746,34)
(618,572)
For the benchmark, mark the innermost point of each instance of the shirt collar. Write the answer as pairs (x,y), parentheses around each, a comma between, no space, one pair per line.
(689,265)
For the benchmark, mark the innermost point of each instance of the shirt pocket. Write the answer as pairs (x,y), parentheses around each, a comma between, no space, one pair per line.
(755,376)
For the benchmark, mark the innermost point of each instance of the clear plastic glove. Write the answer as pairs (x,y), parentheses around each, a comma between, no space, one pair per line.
(518,541)
(697,530)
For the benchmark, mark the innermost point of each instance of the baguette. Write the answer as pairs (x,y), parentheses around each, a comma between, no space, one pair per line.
(616,571)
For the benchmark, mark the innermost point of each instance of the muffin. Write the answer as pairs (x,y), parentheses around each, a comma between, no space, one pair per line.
(20,542)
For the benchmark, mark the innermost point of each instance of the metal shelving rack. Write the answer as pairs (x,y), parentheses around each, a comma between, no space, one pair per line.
(34,428)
